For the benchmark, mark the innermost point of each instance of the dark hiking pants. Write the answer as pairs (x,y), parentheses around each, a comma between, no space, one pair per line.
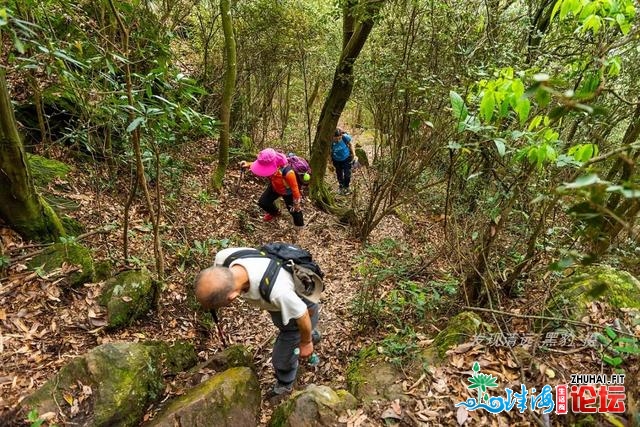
(267,203)
(283,358)
(343,172)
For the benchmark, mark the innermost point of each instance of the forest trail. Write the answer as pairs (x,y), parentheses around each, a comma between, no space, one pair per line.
(51,323)
(55,324)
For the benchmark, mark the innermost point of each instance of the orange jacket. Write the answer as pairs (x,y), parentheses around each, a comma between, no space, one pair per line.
(280,183)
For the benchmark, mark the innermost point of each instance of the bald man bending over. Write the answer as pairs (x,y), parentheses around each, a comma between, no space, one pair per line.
(295,317)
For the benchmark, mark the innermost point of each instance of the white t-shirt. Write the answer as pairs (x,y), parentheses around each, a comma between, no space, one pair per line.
(283,296)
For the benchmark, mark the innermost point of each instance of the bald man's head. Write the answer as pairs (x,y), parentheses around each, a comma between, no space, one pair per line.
(215,287)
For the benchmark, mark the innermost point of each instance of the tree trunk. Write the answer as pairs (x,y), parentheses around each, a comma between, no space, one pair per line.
(538,28)
(337,99)
(20,206)
(227,94)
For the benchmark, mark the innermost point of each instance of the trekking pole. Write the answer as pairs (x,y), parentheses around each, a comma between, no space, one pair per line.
(239,181)
(214,315)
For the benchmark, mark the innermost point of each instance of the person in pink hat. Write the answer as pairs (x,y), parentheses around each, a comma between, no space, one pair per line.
(271,164)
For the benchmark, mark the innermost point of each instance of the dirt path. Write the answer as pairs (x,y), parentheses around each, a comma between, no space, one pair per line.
(43,324)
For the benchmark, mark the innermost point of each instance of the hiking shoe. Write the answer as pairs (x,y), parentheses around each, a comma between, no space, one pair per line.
(280,389)
(278,393)
(346,191)
(268,217)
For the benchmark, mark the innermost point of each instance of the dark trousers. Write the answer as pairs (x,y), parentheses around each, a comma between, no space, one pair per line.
(283,358)
(267,203)
(343,172)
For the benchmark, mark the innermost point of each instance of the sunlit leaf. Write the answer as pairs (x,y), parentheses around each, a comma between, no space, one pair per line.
(585,181)
(487,104)
(460,111)
(614,66)
(134,124)
(592,22)
(624,25)
(523,107)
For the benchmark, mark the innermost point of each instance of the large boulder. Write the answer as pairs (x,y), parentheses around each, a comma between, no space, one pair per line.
(111,385)
(128,296)
(64,256)
(370,377)
(44,170)
(231,398)
(314,406)
(460,328)
(618,289)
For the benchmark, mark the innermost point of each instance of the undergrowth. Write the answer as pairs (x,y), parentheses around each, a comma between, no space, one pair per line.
(397,297)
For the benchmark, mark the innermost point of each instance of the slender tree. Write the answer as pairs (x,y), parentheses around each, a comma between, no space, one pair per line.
(356,30)
(136,138)
(227,93)
(20,205)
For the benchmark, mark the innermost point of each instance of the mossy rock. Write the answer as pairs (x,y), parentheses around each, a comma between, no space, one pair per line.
(231,398)
(70,253)
(618,289)
(175,357)
(362,157)
(231,357)
(72,226)
(44,170)
(314,406)
(103,270)
(112,385)
(370,377)
(460,328)
(128,296)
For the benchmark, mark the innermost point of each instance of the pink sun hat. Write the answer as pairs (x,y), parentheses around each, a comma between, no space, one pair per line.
(268,162)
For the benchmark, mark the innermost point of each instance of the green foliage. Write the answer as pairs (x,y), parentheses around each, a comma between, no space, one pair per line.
(412,302)
(200,252)
(138,263)
(205,198)
(391,295)
(34,418)
(86,70)
(5,262)
(401,347)
(617,348)
(595,15)
(387,261)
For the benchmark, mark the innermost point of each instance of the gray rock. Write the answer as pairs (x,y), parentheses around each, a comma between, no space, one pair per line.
(128,296)
(231,398)
(112,385)
(314,406)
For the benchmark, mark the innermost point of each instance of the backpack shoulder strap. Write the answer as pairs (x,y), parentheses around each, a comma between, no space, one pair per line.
(269,278)
(243,253)
(270,274)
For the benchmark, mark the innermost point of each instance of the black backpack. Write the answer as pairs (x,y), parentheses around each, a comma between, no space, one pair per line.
(307,274)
